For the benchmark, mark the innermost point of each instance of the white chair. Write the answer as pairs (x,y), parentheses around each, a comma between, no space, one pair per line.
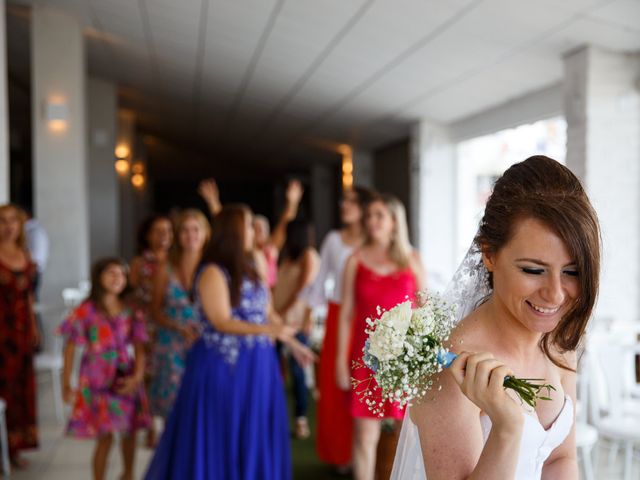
(613,422)
(72,297)
(586,435)
(84,286)
(49,360)
(4,442)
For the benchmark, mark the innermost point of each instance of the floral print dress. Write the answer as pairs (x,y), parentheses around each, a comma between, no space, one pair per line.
(98,409)
(170,349)
(17,378)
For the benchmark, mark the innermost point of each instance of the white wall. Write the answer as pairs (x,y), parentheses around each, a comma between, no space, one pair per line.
(602,102)
(436,170)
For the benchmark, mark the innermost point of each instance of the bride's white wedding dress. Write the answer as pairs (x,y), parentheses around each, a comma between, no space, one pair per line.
(535,446)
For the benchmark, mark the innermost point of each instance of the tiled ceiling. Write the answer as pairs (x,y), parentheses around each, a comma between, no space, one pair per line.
(268,74)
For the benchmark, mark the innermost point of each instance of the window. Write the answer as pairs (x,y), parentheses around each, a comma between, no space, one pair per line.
(481,160)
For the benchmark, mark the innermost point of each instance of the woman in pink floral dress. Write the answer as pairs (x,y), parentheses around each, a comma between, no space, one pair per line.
(155,236)
(110,396)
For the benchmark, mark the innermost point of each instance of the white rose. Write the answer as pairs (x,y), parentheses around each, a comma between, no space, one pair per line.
(380,343)
(399,318)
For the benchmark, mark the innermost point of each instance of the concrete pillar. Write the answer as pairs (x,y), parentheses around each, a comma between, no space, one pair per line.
(59,140)
(104,204)
(433,192)
(602,108)
(4,111)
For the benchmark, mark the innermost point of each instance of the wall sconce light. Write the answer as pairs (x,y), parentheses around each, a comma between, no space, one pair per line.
(347,166)
(56,113)
(137,180)
(122,151)
(122,164)
(137,168)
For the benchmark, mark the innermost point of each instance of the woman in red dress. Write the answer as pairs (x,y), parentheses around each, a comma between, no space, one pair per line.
(384,272)
(18,334)
(334,430)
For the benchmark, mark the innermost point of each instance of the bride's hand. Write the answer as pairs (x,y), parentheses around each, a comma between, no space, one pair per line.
(481,377)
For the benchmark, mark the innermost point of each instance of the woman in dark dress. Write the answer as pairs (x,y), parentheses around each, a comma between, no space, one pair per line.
(18,334)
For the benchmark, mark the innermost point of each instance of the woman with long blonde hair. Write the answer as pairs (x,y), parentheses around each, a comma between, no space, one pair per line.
(383,273)
(172,309)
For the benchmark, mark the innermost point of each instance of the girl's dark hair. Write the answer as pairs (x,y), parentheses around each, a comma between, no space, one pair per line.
(543,189)
(227,248)
(300,236)
(97,290)
(144,229)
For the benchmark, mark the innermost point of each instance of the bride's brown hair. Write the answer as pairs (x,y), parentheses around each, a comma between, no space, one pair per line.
(543,189)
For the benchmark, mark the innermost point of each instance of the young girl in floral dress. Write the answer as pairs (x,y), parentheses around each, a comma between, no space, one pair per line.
(110,397)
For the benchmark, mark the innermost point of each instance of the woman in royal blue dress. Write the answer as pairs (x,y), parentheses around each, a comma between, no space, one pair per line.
(229,420)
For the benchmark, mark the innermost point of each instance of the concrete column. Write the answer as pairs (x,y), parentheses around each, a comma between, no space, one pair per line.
(433,191)
(59,138)
(4,111)
(104,204)
(602,108)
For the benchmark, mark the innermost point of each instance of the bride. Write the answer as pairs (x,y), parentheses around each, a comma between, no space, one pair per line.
(525,293)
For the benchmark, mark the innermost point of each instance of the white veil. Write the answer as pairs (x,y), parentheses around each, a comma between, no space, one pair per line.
(468,287)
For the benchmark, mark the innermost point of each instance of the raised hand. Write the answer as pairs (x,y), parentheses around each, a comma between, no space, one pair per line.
(208,190)
(294,192)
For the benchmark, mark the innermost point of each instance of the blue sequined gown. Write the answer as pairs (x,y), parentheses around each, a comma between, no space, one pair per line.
(229,420)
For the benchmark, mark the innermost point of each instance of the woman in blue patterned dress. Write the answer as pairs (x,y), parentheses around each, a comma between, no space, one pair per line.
(177,325)
(229,420)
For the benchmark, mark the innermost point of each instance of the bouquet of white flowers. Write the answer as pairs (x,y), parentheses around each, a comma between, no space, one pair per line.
(406,347)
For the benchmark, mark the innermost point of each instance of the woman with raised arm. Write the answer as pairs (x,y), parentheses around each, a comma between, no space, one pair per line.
(526,291)
(229,419)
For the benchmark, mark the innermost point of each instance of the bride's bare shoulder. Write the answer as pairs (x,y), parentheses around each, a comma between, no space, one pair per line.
(469,335)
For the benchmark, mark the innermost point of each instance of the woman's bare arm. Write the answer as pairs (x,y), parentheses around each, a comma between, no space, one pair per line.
(216,303)
(344,323)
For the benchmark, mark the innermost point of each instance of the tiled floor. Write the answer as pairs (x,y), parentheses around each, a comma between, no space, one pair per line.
(63,458)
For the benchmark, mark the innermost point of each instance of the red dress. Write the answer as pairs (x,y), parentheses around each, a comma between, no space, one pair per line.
(333,442)
(371,291)
(17,380)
